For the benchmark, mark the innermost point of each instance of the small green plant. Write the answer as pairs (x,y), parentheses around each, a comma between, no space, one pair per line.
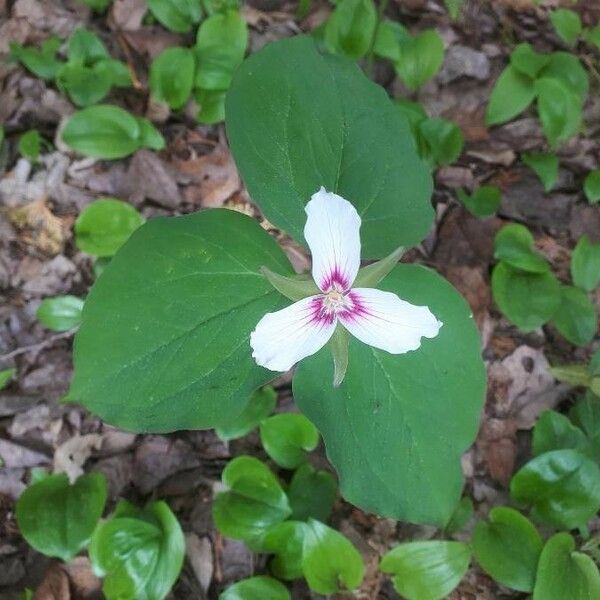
(439,142)
(256,587)
(558,83)
(454,7)
(30,144)
(529,294)
(60,313)
(427,569)
(591,186)
(416,58)
(109,132)
(545,166)
(104,225)
(177,15)
(57,518)
(221,43)
(483,202)
(138,551)
(97,5)
(5,376)
(351,27)
(40,61)
(89,72)
(172,76)
(286,523)
(567,24)
(587,376)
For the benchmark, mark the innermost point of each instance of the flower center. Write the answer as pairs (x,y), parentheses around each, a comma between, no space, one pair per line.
(334,301)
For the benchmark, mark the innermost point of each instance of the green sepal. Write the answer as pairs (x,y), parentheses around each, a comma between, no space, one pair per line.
(578,375)
(339,349)
(372,274)
(294,288)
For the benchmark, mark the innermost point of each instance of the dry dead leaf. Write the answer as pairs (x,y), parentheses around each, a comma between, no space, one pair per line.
(71,455)
(473,284)
(55,585)
(297,255)
(49,278)
(455,177)
(128,15)
(39,227)
(14,455)
(60,18)
(74,580)
(150,177)
(499,156)
(214,177)
(118,471)
(523,387)
(497,442)
(11,483)
(151,41)
(158,457)
(114,440)
(199,553)
(84,584)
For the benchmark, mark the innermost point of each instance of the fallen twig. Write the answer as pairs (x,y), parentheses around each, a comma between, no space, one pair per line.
(39,345)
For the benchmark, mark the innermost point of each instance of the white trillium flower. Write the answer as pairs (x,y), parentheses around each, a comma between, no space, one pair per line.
(380,319)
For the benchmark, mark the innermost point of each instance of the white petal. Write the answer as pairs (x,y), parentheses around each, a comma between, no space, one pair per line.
(284,337)
(384,321)
(332,234)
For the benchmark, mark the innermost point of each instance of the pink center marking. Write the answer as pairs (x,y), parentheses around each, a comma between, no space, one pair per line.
(335,279)
(326,308)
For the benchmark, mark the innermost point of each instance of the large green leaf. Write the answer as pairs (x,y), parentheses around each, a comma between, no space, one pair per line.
(396,427)
(139,552)
(287,438)
(585,264)
(164,340)
(57,518)
(514,245)
(559,109)
(591,184)
(172,76)
(256,588)
(109,132)
(176,15)
(427,570)
(312,493)
(528,299)
(259,407)
(351,27)
(567,23)
(330,562)
(508,548)
(286,541)
(554,431)
(220,46)
(60,313)
(564,573)
(513,92)
(298,119)
(576,316)
(104,225)
(562,487)
(421,57)
(252,501)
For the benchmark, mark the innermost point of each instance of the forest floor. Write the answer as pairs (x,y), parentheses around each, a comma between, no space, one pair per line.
(38,259)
